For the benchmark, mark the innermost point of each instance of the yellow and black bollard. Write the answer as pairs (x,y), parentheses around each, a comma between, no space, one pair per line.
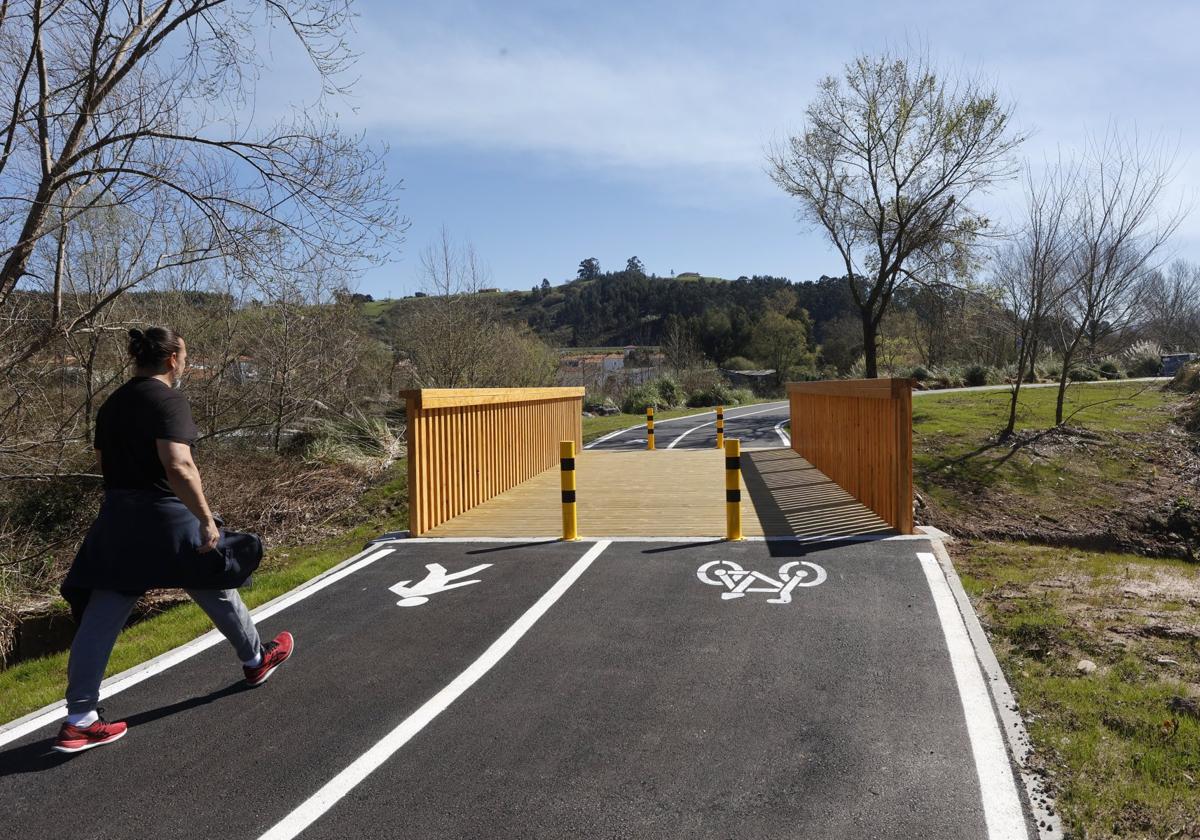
(720,427)
(733,490)
(566,451)
(649,427)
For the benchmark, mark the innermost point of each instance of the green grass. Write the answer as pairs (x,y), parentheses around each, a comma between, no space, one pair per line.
(29,685)
(1108,406)
(956,455)
(375,308)
(1124,761)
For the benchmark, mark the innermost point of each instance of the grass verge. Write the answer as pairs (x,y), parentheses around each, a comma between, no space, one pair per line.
(1106,448)
(29,685)
(1120,745)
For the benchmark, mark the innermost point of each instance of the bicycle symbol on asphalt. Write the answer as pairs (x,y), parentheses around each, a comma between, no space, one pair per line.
(738,581)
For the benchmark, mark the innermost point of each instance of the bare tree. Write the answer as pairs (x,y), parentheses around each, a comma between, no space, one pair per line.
(679,346)
(1033,268)
(446,333)
(1120,231)
(1171,306)
(455,336)
(134,105)
(888,161)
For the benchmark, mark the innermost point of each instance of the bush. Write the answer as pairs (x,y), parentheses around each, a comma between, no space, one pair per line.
(920,373)
(977,375)
(1187,379)
(719,393)
(355,439)
(1144,359)
(740,363)
(636,400)
(594,402)
(670,392)
(1109,370)
(1083,374)
(741,396)
(946,378)
(1142,366)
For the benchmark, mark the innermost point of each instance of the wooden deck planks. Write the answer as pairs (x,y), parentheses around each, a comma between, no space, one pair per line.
(673,493)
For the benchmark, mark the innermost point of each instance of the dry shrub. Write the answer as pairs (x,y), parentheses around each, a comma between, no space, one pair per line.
(279,498)
(1187,379)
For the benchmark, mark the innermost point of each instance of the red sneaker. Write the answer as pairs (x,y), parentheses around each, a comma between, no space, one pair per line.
(274,654)
(73,739)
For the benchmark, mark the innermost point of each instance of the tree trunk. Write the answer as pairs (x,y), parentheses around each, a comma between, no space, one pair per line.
(1023,357)
(1063,379)
(870,346)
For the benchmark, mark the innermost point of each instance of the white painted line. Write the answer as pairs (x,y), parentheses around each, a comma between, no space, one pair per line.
(611,435)
(787,440)
(143,672)
(714,422)
(696,538)
(341,784)
(1002,809)
(675,442)
(1043,809)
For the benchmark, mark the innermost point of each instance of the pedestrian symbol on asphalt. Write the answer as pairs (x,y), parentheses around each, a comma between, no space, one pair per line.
(438,580)
(737,581)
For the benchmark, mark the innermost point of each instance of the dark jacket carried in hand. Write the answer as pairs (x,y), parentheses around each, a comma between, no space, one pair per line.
(144,537)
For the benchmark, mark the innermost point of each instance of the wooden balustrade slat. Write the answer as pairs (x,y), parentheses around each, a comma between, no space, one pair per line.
(466,446)
(859,433)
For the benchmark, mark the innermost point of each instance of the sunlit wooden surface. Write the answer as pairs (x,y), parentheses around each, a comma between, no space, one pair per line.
(673,493)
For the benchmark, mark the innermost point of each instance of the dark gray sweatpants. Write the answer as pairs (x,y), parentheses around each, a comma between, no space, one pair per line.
(107,612)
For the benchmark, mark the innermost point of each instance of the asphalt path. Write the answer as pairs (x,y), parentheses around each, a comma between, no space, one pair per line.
(766,689)
(756,426)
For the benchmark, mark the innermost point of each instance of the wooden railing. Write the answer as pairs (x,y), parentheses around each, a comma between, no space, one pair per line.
(859,433)
(467,445)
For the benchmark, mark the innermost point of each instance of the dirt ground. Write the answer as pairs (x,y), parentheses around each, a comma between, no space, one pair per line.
(1151,506)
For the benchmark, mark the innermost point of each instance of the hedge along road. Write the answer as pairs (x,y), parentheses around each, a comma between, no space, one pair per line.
(612,689)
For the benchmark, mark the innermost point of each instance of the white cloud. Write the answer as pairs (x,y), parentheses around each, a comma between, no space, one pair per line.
(686,98)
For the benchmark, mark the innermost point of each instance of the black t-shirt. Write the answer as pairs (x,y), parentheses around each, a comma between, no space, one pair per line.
(139,412)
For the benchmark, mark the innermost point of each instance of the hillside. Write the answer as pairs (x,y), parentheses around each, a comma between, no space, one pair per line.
(623,308)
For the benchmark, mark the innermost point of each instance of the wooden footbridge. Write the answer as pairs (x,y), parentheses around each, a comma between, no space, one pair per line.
(486,462)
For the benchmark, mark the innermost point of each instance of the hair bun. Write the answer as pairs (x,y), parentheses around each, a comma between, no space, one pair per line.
(136,334)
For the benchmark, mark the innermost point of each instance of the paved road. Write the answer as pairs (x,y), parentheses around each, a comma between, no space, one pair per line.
(582,690)
(757,426)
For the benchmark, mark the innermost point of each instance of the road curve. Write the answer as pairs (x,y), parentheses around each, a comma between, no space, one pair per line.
(760,426)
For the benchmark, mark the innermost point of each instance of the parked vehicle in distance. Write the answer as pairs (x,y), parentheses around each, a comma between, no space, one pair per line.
(1172,362)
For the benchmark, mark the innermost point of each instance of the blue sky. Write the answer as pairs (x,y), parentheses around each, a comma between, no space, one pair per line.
(547,132)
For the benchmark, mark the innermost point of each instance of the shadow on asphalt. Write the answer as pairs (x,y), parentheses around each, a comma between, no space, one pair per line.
(799,547)
(38,756)
(680,547)
(509,547)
